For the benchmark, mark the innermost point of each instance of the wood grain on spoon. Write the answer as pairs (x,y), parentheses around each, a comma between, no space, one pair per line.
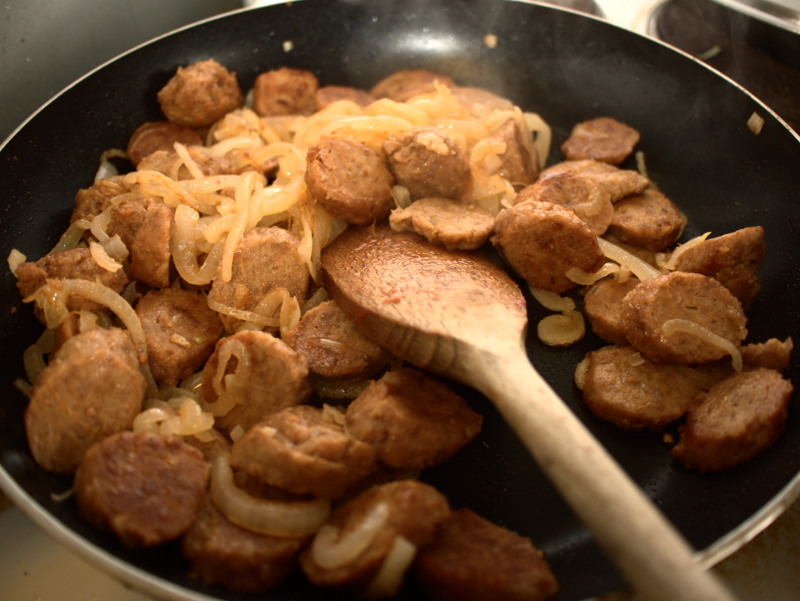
(457,314)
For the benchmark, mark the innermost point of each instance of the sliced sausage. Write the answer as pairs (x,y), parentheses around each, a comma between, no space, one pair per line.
(143,487)
(285,91)
(731,259)
(76,263)
(299,451)
(333,346)
(265,259)
(267,377)
(601,305)
(402,86)
(171,164)
(472,559)
(619,183)
(181,331)
(224,554)
(96,198)
(91,389)
(634,393)
(159,135)
(649,219)
(602,139)
(412,510)
(772,354)
(413,420)
(687,296)
(127,217)
(349,179)
(429,163)
(327,95)
(200,94)
(736,420)
(590,201)
(517,165)
(542,241)
(150,251)
(446,222)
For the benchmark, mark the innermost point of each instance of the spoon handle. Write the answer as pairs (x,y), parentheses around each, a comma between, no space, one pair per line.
(652,555)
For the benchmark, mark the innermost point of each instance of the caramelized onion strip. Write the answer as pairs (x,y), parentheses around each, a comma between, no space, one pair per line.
(332,549)
(695,329)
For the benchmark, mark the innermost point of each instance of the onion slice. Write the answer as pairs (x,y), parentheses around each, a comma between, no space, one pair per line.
(561,330)
(639,268)
(275,518)
(587,279)
(389,578)
(551,300)
(331,549)
(695,329)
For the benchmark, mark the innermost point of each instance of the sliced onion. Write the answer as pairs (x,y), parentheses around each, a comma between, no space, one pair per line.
(241,314)
(544,136)
(587,279)
(695,329)
(275,518)
(551,300)
(15,259)
(319,297)
(561,330)
(33,361)
(389,578)
(337,389)
(640,269)
(115,248)
(101,257)
(331,549)
(72,235)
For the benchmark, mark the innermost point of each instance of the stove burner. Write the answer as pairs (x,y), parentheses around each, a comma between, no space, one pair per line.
(763,58)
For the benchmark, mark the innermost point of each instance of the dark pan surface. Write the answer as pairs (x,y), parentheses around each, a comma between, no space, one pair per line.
(562,65)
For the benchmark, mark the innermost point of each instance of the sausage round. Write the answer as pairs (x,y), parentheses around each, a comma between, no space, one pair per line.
(602,139)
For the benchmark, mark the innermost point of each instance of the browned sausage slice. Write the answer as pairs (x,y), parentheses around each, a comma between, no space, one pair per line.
(92,389)
(266,258)
(602,139)
(472,559)
(601,305)
(633,392)
(181,331)
(150,251)
(731,259)
(413,420)
(349,179)
(96,198)
(445,222)
(619,183)
(333,346)
(143,487)
(590,201)
(772,354)
(299,451)
(688,296)
(404,85)
(649,219)
(159,135)
(200,94)
(736,420)
(429,163)
(542,241)
(262,376)
(412,510)
(285,91)
(225,554)
(516,163)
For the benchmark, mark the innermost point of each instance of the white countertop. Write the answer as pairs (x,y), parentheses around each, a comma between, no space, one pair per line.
(34,567)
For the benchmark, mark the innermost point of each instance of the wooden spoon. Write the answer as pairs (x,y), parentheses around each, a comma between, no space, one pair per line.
(457,314)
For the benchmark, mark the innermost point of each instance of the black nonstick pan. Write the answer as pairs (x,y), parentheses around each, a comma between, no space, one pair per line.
(563,65)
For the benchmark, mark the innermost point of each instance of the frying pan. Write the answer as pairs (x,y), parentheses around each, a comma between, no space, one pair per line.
(567,67)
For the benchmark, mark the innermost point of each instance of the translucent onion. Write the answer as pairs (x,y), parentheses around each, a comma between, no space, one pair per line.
(337,389)
(544,136)
(551,300)
(372,131)
(320,296)
(561,330)
(15,259)
(241,314)
(72,235)
(188,161)
(389,578)
(275,518)
(115,248)
(587,279)
(331,549)
(101,257)
(170,187)
(401,196)
(33,362)
(390,108)
(639,268)
(695,329)
(184,249)
(229,386)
